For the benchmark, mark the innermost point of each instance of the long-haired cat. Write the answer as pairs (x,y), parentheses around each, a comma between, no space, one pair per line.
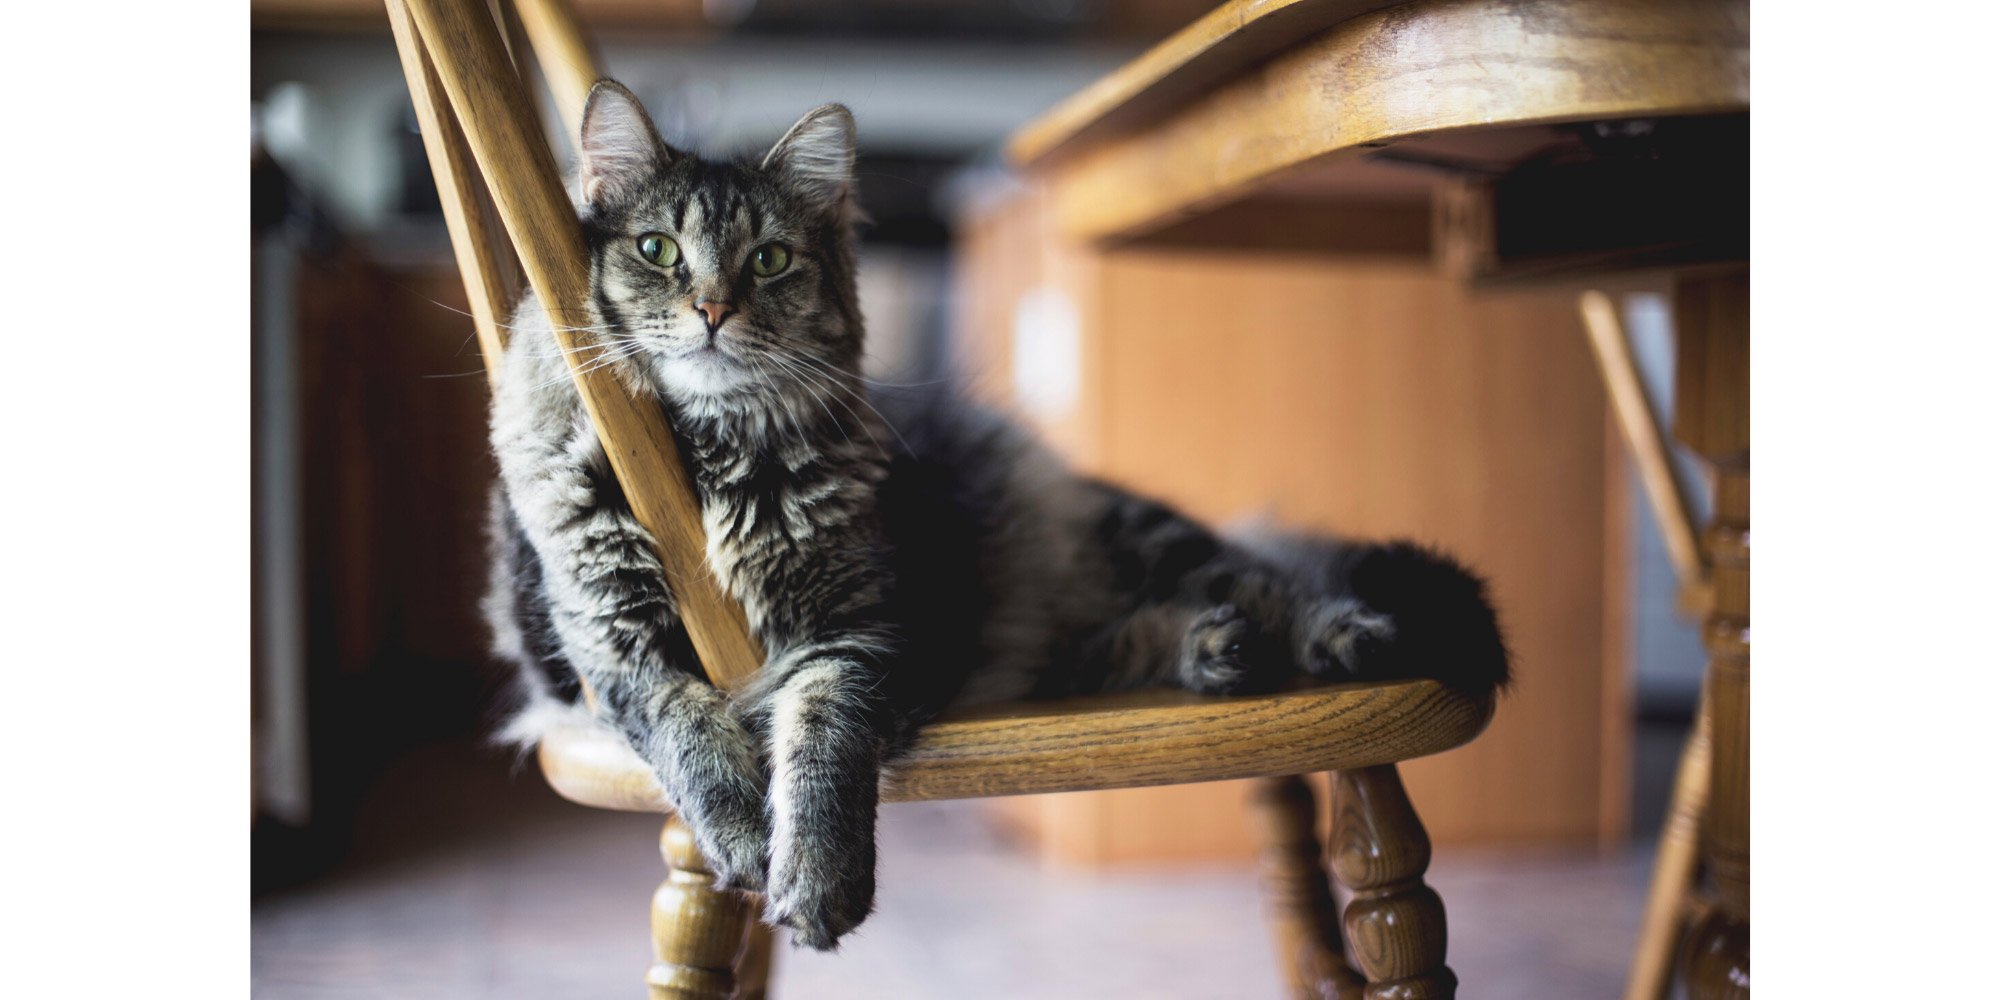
(887,577)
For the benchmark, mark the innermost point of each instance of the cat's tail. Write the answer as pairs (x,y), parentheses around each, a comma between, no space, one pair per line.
(1386,611)
(1444,623)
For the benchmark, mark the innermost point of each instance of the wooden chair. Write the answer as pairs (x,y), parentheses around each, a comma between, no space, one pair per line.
(1672,902)
(478,125)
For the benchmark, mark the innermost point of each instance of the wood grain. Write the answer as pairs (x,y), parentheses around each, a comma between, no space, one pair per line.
(1402,73)
(1712,366)
(1152,737)
(1221,43)
(1717,956)
(1712,415)
(519,50)
(567,61)
(1666,913)
(1305,919)
(1665,491)
(485,259)
(698,929)
(490,105)
(366,15)
(1333,227)
(1395,923)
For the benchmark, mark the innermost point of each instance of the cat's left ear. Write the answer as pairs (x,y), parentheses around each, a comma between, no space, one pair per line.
(817,156)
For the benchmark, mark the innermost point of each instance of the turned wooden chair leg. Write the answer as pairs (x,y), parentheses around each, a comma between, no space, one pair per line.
(1666,915)
(698,929)
(1305,920)
(1395,923)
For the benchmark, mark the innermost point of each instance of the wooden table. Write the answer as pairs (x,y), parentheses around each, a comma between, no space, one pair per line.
(1552,142)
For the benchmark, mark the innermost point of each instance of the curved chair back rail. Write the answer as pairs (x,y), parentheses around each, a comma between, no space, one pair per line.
(1241,99)
(1152,737)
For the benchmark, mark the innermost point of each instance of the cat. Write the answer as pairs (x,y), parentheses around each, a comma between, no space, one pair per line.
(895,552)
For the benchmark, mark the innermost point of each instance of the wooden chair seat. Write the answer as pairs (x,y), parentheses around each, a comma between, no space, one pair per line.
(1125,740)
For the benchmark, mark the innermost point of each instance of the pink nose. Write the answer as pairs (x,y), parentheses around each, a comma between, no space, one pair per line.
(713,311)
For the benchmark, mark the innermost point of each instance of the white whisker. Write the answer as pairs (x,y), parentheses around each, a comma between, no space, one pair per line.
(798,375)
(609,357)
(863,397)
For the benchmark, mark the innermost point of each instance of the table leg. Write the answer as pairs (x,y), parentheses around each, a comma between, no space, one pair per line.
(1717,959)
(1712,415)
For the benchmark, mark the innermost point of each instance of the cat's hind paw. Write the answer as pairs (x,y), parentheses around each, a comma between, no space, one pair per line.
(1215,651)
(1346,638)
(1410,611)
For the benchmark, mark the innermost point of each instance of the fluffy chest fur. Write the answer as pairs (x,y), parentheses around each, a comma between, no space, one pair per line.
(789,509)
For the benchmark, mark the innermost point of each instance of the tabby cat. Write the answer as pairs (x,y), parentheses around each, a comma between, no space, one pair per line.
(887,576)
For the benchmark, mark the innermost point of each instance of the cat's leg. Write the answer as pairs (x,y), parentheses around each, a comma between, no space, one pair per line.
(1243,620)
(1338,636)
(1209,647)
(1205,616)
(1219,651)
(708,765)
(826,757)
(1205,649)
(621,630)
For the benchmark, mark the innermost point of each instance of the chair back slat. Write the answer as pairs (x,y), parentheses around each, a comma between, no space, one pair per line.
(489,103)
(519,51)
(564,54)
(485,258)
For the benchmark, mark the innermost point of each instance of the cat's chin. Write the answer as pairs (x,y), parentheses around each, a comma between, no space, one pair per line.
(705,375)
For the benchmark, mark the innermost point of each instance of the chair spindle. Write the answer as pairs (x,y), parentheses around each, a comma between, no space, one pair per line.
(698,929)
(1305,919)
(1395,923)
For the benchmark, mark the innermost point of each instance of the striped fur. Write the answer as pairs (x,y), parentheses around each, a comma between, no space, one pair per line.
(963,564)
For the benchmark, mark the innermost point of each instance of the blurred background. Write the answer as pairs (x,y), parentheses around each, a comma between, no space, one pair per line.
(395,854)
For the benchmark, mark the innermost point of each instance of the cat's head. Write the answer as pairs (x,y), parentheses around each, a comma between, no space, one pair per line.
(726,281)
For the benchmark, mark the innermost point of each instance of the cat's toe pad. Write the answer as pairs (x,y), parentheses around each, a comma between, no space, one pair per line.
(1214,651)
(1347,637)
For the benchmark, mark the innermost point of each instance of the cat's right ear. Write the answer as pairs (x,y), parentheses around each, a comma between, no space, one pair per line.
(619,147)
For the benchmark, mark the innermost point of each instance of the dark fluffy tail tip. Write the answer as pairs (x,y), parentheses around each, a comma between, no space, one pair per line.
(1446,628)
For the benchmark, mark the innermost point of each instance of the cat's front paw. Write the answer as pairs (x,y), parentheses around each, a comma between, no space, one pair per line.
(820,892)
(737,848)
(1215,651)
(1346,638)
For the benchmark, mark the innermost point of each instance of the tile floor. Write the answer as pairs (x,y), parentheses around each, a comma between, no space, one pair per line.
(468,882)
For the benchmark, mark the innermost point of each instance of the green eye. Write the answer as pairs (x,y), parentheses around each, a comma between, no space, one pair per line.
(770,259)
(660,249)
